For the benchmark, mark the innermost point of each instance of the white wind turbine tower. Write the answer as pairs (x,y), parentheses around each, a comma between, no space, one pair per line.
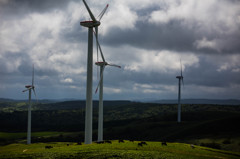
(30,88)
(180,80)
(102,65)
(90,25)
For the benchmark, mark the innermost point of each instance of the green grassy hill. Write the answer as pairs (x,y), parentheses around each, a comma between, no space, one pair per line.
(210,125)
(126,150)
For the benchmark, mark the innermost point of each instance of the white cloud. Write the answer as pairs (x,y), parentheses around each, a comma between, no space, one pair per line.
(37,35)
(154,89)
(39,38)
(212,15)
(110,90)
(160,61)
(223,67)
(236,70)
(228,63)
(204,43)
(121,16)
(67,80)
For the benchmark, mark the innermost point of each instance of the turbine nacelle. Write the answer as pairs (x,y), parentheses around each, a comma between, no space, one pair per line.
(102,63)
(90,24)
(179,77)
(94,22)
(29,86)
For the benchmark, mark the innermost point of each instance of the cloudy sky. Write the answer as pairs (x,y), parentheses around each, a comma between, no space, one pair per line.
(147,38)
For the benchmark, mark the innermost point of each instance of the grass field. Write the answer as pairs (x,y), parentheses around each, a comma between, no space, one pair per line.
(115,150)
(211,128)
(229,144)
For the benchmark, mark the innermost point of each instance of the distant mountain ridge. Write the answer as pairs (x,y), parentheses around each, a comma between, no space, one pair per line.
(163,101)
(201,101)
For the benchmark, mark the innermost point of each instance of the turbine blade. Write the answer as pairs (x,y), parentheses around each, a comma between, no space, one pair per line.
(97,69)
(35,94)
(181,67)
(181,72)
(97,88)
(96,36)
(114,65)
(25,90)
(90,12)
(103,12)
(96,30)
(101,52)
(99,47)
(101,78)
(33,76)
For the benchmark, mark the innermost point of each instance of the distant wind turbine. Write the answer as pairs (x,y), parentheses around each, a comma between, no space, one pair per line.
(102,65)
(90,25)
(180,80)
(30,88)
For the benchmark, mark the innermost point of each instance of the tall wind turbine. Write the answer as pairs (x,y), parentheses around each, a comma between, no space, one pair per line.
(90,25)
(180,80)
(29,89)
(102,65)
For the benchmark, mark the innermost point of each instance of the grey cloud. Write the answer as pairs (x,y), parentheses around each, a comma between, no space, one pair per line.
(176,35)
(181,34)
(207,75)
(75,34)
(26,6)
(115,77)
(173,36)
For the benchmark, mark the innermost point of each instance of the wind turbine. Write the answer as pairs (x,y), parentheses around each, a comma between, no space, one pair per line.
(90,25)
(29,89)
(180,80)
(102,65)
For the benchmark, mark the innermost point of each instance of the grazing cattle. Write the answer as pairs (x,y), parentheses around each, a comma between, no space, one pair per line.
(100,142)
(192,146)
(164,143)
(48,147)
(144,143)
(140,144)
(108,141)
(119,141)
(79,143)
(67,144)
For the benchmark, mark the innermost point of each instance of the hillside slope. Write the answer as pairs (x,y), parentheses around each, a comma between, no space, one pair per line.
(126,150)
